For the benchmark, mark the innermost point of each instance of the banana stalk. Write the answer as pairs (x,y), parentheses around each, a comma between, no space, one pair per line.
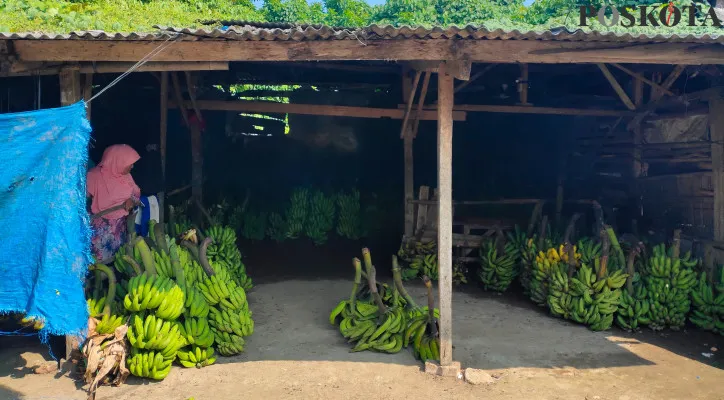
(110,296)
(372,282)
(160,238)
(397,278)
(203,260)
(132,262)
(146,257)
(430,307)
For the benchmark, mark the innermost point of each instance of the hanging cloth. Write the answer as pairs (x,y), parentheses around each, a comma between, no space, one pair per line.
(46,248)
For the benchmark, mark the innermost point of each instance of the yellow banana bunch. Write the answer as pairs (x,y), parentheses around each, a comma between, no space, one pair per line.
(190,235)
(36,323)
(196,357)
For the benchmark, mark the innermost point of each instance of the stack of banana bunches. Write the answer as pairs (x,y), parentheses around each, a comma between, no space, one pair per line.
(382,318)
(183,299)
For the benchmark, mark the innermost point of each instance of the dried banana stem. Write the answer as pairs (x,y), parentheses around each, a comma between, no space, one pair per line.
(203,260)
(397,278)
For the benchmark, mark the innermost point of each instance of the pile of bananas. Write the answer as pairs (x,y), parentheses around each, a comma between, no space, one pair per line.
(154,333)
(150,292)
(297,212)
(223,254)
(595,296)
(543,267)
(320,218)
(708,302)
(669,282)
(418,259)
(498,264)
(196,357)
(196,331)
(349,221)
(370,324)
(276,228)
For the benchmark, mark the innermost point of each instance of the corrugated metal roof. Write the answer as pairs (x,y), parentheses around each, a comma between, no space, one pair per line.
(242,30)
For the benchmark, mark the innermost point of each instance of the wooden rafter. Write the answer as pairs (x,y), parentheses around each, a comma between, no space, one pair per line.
(494,108)
(643,79)
(44,68)
(669,81)
(310,109)
(491,51)
(616,87)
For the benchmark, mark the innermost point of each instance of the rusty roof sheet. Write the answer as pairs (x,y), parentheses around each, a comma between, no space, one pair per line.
(242,30)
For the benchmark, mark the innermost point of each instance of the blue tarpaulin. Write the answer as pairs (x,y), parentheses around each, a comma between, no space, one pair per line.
(45,248)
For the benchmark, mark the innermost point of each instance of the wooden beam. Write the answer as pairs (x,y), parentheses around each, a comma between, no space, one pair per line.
(616,87)
(669,81)
(42,68)
(642,78)
(492,51)
(311,109)
(444,226)
(536,110)
(163,128)
(421,103)
(716,121)
(70,93)
(475,76)
(410,100)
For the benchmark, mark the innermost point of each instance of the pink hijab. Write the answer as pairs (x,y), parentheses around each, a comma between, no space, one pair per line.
(109,184)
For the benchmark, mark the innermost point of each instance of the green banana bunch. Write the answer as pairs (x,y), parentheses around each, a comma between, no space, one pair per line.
(669,283)
(297,212)
(230,321)
(150,364)
(498,266)
(196,331)
(634,311)
(595,299)
(422,329)
(224,254)
(228,344)
(195,303)
(108,323)
(95,306)
(154,333)
(103,308)
(540,273)
(163,264)
(254,225)
(589,250)
(460,273)
(320,219)
(708,304)
(349,221)
(369,335)
(196,357)
(277,227)
(415,256)
(149,292)
(560,301)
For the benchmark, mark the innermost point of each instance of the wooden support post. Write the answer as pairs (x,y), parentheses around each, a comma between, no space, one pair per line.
(444,225)
(70,93)
(716,121)
(407,141)
(523,85)
(87,93)
(638,93)
(163,128)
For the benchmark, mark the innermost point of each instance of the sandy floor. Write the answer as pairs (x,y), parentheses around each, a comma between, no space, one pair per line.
(296,354)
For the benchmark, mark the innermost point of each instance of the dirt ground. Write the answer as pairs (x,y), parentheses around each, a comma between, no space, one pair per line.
(296,354)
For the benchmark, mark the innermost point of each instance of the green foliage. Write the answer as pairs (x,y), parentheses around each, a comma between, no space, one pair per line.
(62,16)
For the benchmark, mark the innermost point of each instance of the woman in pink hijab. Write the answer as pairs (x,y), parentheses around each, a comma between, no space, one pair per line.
(111,187)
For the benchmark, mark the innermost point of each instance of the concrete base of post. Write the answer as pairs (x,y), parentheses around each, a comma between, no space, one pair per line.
(434,368)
